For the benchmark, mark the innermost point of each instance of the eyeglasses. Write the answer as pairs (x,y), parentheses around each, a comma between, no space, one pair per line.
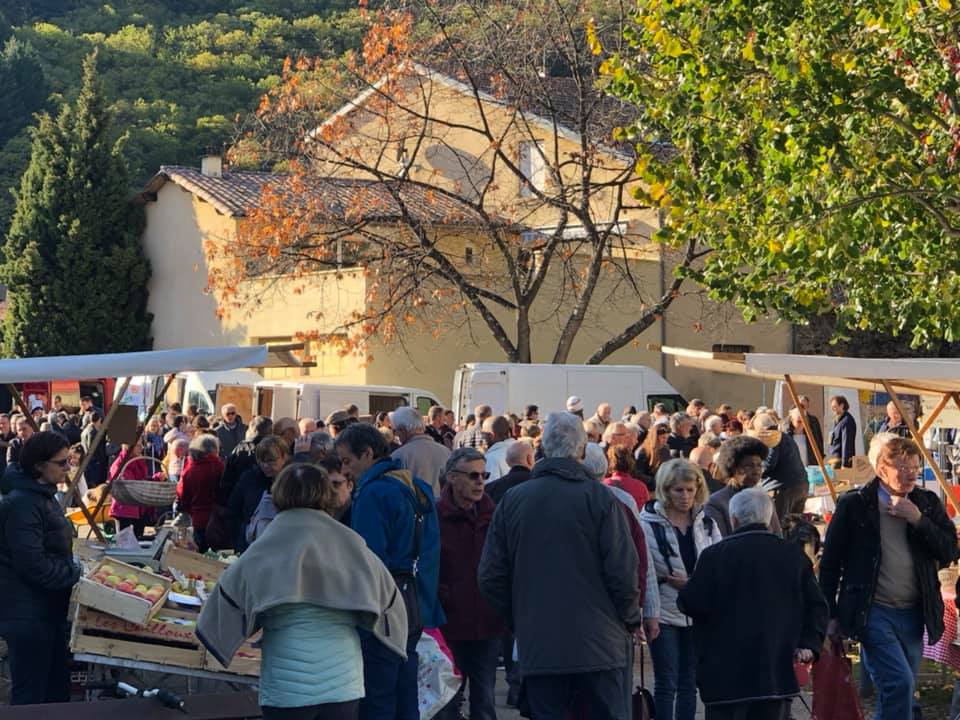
(231,414)
(337,483)
(65,463)
(474,475)
(910,470)
(747,465)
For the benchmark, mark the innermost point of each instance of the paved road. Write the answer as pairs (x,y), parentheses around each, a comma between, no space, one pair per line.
(507,713)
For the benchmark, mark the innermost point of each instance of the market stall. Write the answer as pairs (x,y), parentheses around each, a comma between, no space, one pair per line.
(937,377)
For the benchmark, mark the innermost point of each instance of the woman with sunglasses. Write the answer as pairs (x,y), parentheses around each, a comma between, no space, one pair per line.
(37,572)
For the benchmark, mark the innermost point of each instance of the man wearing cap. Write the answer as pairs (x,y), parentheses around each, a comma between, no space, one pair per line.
(475,437)
(575,406)
(337,422)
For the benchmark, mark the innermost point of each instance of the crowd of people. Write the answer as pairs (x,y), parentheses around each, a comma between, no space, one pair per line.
(550,545)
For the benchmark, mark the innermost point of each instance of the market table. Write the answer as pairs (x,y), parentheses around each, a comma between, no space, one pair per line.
(947,650)
(98,666)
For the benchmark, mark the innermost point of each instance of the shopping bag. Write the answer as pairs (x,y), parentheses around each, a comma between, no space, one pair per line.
(436,682)
(834,694)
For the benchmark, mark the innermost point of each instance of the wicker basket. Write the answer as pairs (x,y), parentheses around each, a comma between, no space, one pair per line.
(151,493)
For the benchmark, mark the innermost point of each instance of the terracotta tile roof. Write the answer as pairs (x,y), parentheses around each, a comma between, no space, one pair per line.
(236,192)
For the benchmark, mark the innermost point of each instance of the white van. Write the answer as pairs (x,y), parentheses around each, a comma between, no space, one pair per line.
(307,398)
(508,387)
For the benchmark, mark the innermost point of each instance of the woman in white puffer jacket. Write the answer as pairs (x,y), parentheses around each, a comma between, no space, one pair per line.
(676,531)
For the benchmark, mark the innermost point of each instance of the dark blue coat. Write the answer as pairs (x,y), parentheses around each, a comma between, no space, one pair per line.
(382,513)
(843,440)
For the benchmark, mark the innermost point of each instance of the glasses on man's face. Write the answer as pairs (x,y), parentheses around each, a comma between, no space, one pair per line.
(65,463)
(231,414)
(912,471)
(475,476)
(749,466)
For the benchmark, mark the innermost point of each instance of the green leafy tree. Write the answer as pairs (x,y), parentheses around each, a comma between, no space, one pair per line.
(22,86)
(75,270)
(812,144)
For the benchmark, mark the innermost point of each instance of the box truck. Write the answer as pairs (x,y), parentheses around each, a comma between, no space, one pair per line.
(508,387)
(301,398)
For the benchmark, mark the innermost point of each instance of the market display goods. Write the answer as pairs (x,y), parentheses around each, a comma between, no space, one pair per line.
(122,590)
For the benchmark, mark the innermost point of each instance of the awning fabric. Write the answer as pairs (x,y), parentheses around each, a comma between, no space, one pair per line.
(913,376)
(153,362)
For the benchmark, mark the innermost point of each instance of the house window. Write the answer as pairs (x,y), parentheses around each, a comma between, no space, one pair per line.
(532,167)
(468,255)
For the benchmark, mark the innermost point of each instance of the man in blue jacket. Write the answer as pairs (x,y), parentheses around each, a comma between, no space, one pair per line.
(396,514)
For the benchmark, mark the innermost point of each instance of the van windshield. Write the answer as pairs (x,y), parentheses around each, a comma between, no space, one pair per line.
(672,403)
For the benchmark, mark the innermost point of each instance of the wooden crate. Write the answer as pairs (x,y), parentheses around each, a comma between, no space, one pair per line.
(157,641)
(246,661)
(191,563)
(114,602)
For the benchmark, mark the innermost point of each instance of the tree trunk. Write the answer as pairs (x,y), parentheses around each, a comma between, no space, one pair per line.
(524,353)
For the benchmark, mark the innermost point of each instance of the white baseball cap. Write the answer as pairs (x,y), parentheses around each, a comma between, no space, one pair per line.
(574,404)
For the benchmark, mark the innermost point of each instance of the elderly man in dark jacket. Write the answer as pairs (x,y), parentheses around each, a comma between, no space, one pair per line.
(756,608)
(879,571)
(520,458)
(560,567)
(473,631)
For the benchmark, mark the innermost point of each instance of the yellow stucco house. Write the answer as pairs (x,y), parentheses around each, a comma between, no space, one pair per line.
(426,137)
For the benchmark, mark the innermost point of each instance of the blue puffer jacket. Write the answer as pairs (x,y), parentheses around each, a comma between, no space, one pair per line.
(382,513)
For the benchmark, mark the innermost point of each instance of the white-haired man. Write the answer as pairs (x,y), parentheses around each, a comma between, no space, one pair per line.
(230,430)
(418,453)
(559,548)
(753,598)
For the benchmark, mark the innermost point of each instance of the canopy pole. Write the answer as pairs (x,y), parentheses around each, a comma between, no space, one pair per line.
(935,413)
(150,413)
(811,443)
(18,399)
(88,455)
(918,439)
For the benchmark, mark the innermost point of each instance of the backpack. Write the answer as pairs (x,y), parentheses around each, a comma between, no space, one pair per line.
(406,578)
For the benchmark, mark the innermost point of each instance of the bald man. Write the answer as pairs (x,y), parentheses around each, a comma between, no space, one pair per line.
(520,458)
(702,457)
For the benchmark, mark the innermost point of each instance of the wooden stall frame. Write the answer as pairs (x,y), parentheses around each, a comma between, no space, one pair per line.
(811,443)
(153,409)
(918,438)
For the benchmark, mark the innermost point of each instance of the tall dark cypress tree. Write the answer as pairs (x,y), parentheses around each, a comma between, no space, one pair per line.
(74,266)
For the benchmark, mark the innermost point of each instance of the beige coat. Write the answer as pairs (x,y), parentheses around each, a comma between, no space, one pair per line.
(304,556)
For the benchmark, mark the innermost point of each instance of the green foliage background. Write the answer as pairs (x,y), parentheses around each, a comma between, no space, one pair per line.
(176,72)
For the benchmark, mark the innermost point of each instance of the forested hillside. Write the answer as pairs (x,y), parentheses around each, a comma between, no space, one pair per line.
(177,72)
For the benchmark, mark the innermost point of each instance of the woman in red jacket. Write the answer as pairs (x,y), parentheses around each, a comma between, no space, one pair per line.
(197,487)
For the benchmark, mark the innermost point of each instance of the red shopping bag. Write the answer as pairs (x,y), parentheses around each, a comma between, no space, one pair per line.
(834,694)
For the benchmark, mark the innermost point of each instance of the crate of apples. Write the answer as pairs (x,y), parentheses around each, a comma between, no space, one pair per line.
(123,590)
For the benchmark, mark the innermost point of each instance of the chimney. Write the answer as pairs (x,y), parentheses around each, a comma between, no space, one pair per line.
(211,164)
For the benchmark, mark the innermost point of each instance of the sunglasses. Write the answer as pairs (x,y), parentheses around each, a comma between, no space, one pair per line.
(474,475)
(65,463)
(231,414)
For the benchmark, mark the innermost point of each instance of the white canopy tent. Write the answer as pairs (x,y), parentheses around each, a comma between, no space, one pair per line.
(153,362)
(128,365)
(939,377)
